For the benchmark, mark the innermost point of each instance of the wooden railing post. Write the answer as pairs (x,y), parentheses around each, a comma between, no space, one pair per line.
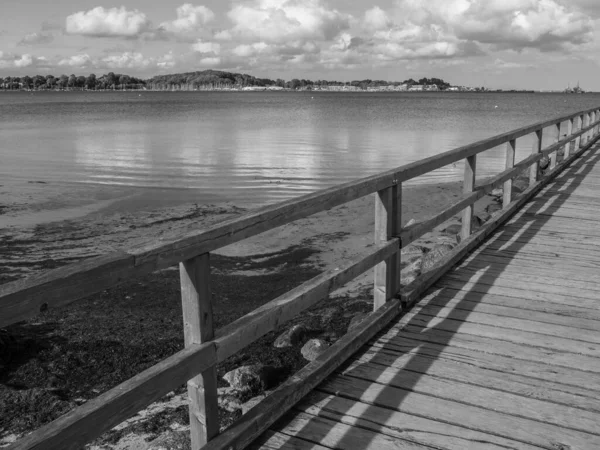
(580,138)
(198,328)
(511,146)
(570,127)
(388,211)
(535,149)
(468,185)
(583,125)
(554,154)
(586,136)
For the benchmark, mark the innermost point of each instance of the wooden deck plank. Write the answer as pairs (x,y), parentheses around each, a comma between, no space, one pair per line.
(533,258)
(512,323)
(415,428)
(272,440)
(338,435)
(504,374)
(521,293)
(567,236)
(545,312)
(504,259)
(521,337)
(535,282)
(506,276)
(496,346)
(554,228)
(546,273)
(568,379)
(467,392)
(545,250)
(476,418)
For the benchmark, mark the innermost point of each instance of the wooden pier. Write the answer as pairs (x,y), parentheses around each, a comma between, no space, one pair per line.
(502,352)
(495,347)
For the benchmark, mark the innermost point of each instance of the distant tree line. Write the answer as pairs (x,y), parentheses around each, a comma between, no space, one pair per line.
(204,80)
(72,82)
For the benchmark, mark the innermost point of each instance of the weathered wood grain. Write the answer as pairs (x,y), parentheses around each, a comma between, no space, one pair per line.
(457,413)
(535,149)
(464,371)
(511,147)
(271,440)
(388,208)
(566,331)
(385,421)
(553,155)
(463,350)
(198,328)
(496,346)
(470,393)
(338,435)
(22,299)
(468,185)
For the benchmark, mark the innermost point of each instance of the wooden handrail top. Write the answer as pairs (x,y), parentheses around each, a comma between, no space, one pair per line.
(24,298)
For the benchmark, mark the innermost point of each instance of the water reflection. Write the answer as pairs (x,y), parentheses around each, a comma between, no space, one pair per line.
(260,147)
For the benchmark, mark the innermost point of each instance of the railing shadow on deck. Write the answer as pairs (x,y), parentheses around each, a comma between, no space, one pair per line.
(394,391)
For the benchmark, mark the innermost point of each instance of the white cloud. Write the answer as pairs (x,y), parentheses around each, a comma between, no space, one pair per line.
(100,22)
(223,35)
(24,61)
(377,19)
(8,61)
(210,61)
(42,37)
(167,61)
(280,21)
(206,47)
(190,18)
(507,24)
(80,61)
(126,60)
(502,64)
(246,50)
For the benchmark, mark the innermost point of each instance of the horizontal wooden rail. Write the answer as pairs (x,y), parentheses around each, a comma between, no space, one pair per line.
(415,231)
(410,294)
(22,299)
(242,332)
(196,363)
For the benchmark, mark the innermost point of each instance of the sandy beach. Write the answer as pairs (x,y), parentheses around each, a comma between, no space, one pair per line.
(109,337)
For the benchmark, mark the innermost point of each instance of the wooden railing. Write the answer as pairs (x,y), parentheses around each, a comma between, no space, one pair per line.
(205,348)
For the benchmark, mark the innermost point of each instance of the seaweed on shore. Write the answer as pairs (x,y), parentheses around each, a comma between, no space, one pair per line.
(69,355)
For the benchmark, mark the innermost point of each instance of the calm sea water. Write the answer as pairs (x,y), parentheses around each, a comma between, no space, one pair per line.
(250,147)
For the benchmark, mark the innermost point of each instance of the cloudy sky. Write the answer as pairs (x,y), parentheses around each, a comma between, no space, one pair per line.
(533,44)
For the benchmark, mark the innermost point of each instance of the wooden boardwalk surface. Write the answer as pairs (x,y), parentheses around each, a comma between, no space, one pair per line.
(502,353)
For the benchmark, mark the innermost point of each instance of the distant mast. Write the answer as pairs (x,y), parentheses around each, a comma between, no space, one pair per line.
(575,90)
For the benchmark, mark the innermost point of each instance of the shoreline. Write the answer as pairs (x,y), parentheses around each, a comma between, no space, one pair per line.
(49,224)
(109,337)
